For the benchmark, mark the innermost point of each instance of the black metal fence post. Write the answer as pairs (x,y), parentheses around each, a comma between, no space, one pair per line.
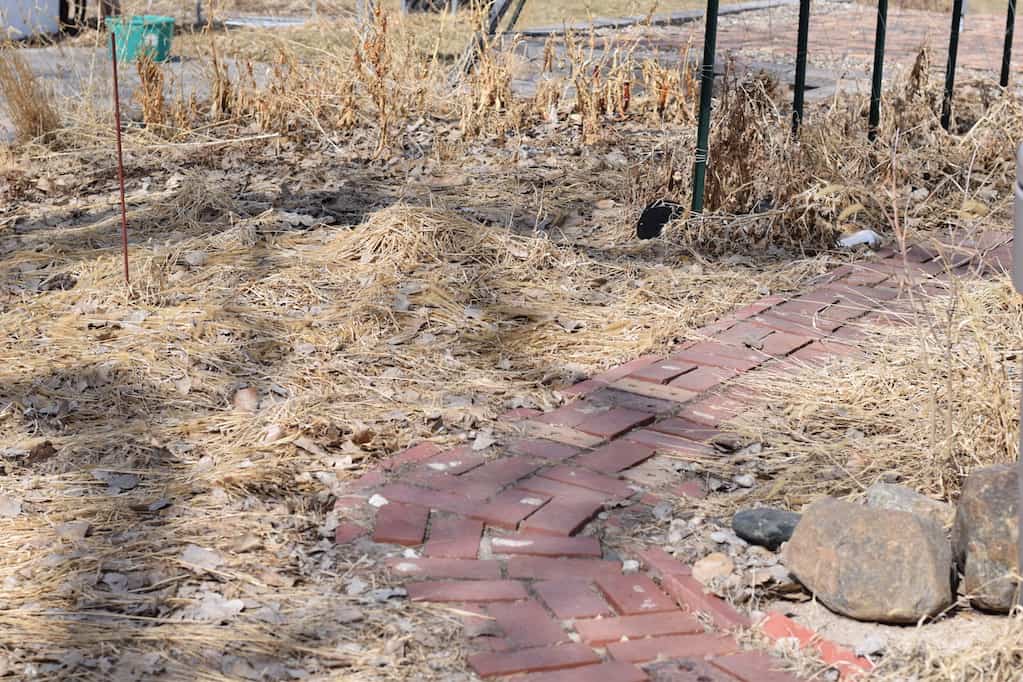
(1010,25)
(801,49)
(950,71)
(875,85)
(706,95)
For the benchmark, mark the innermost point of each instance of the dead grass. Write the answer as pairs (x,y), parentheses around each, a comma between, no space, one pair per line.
(30,106)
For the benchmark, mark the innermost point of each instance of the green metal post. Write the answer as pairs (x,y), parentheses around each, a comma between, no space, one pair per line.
(801,49)
(1010,25)
(875,86)
(706,94)
(950,70)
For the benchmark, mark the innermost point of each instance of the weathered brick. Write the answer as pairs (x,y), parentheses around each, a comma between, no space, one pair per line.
(621,371)
(466,590)
(703,379)
(693,489)
(461,569)
(543,448)
(562,517)
(518,414)
(744,334)
(686,670)
(412,455)
(527,624)
(502,472)
(790,324)
(347,531)
(666,392)
(690,430)
(780,344)
(569,415)
(544,568)
(664,442)
(615,457)
(562,491)
(605,630)
(676,646)
(757,307)
(430,499)
(717,354)
(453,462)
(711,411)
(662,372)
(539,545)
(559,434)
(613,397)
(454,538)
(532,660)
(582,388)
(612,671)
(509,508)
(753,667)
(778,626)
(614,422)
(474,490)
(585,478)
(401,524)
(369,480)
(571,598)
(660,563)
(634,594)
(690,594)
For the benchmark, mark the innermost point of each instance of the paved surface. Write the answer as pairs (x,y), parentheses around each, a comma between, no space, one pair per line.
(513,536)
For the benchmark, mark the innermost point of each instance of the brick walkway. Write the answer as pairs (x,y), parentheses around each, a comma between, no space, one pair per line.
(512,536)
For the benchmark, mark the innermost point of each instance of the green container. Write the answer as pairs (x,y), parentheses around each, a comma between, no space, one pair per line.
(146,34)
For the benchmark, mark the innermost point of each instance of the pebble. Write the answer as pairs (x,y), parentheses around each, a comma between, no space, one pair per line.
(745,480)
(630,566)
(765,526)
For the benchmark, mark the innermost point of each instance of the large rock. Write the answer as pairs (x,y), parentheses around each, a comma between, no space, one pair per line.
(901,498)
(872,564)
(765,526)
(985,537)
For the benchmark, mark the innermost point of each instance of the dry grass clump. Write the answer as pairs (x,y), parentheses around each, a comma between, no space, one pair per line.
(937,398)
(30,106)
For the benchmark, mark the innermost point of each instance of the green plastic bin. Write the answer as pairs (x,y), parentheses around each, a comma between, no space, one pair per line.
(146,34)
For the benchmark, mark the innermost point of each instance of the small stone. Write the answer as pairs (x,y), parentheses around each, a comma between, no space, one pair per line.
(870,645)
(985,537)
(712,566)
(872,564)
(196,259)
(719,537)
(630,566)
(901,498)
(246,400)
(678,531)
(745,480)
(765,526)
(377,501)
(73,530)
(356,587)
(662,511)
(9,506)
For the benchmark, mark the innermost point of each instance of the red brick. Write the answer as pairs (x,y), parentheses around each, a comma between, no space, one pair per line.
(605,630)
(562,491)
(678,646)
(570,415)
(454,538)
(687,670)
(711,410)
(508,509)
(716,354)
(527,624)
(414,454)
(622,371)
(662,372)
(663,442)
(812,355)
(634,594)
(690,430)
(453,462)
(613,671)
(474,490)
(347,532)
(614,422)
(615,457)
(370,479)
(663,392)
(757,307)
(744,334)
(863,275)
(430,499)
(791,324)
(753,667)
(780,344)
(401,524)
(692,489)
(502,472)
(807,305)
(564,435)
(689,593)
(585,478)
(544,568)
(778,626)
(532,660)
(571,598)
(703,378)
(582,388)
(543,448)
(562,517)
(467,590)
(518,414)
(661,564)
(461,569)
(615,397)
(539,545)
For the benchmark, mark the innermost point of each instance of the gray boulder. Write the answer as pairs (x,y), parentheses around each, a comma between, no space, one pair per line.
(985,537)
(872,564)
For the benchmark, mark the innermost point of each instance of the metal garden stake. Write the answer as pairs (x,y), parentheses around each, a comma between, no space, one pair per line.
(950,70)
(801,50)
(706,98)
(875,85)
(1010,24)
